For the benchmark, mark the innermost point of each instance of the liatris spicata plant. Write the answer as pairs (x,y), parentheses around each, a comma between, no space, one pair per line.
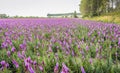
(65,69)
(13,49)
(4,65)
(15,63)
(42,42)
(82,69)
(56,68)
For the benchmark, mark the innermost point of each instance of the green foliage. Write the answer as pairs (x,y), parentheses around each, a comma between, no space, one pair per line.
(75,14)
(3,16)
(90,8)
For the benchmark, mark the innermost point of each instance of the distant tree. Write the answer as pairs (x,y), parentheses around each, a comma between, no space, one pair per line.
(16,16)
(84,7)
(75,14)
(117,4)
(66,16)
(3,16)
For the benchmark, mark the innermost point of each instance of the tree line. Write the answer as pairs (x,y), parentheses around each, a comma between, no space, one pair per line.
(7,16)
(74,15)
(97,7)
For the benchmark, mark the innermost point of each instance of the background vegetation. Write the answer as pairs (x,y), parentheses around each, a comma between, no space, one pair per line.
(98,7)
(101,10)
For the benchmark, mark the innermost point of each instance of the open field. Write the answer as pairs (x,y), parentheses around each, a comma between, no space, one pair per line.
(58,45)
(106,18)
(112,17)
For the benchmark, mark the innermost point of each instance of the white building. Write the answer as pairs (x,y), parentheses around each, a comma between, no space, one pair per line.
(64,15)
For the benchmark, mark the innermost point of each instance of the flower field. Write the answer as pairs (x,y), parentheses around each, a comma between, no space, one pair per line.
(58,45)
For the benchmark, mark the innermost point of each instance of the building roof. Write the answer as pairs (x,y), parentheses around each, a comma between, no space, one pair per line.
(62,14)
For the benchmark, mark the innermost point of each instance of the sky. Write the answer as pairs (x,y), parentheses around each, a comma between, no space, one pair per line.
(38,7)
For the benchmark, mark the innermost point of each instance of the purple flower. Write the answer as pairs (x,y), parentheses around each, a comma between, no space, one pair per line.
(15,63)
(4,45)
(23,46)
(9,41)
(97,55)
(8,53)
(87,48)
(73,54)
(50,49)
(67,52)
(23,53)
(90,60)
(119,42)
(82,69)
(31,62)
(13,49)
(65,69)
(20,56)
(26,64)
(43,63)
(3,63)
(28,59)
(24,42)
(97,50)
(83,54)
(41,68)
(110,47)
(78,46)
(31,69)
(35,63)
(7,65)
(56,68)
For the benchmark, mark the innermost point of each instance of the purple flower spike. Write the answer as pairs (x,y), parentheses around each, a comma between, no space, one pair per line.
(31,69)
(73,54)
(7,65)
(15,63)
(23,46)
(82,69)
(13,49)
(3,63)
(119,42)
(87,48)
(90,60)
(50,49)
(23,53)
(26,64)
(29,59)
(20,56)
(41,68)
(4,45)
(35,63)
(97,50)
(56,69)
(65,69)
(8,53)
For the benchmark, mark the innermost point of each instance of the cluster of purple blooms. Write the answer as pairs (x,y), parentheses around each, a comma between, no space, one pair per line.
(51,31)
(4,65)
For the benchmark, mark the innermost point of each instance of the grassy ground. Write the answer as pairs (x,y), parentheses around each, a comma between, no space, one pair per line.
(113,17)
